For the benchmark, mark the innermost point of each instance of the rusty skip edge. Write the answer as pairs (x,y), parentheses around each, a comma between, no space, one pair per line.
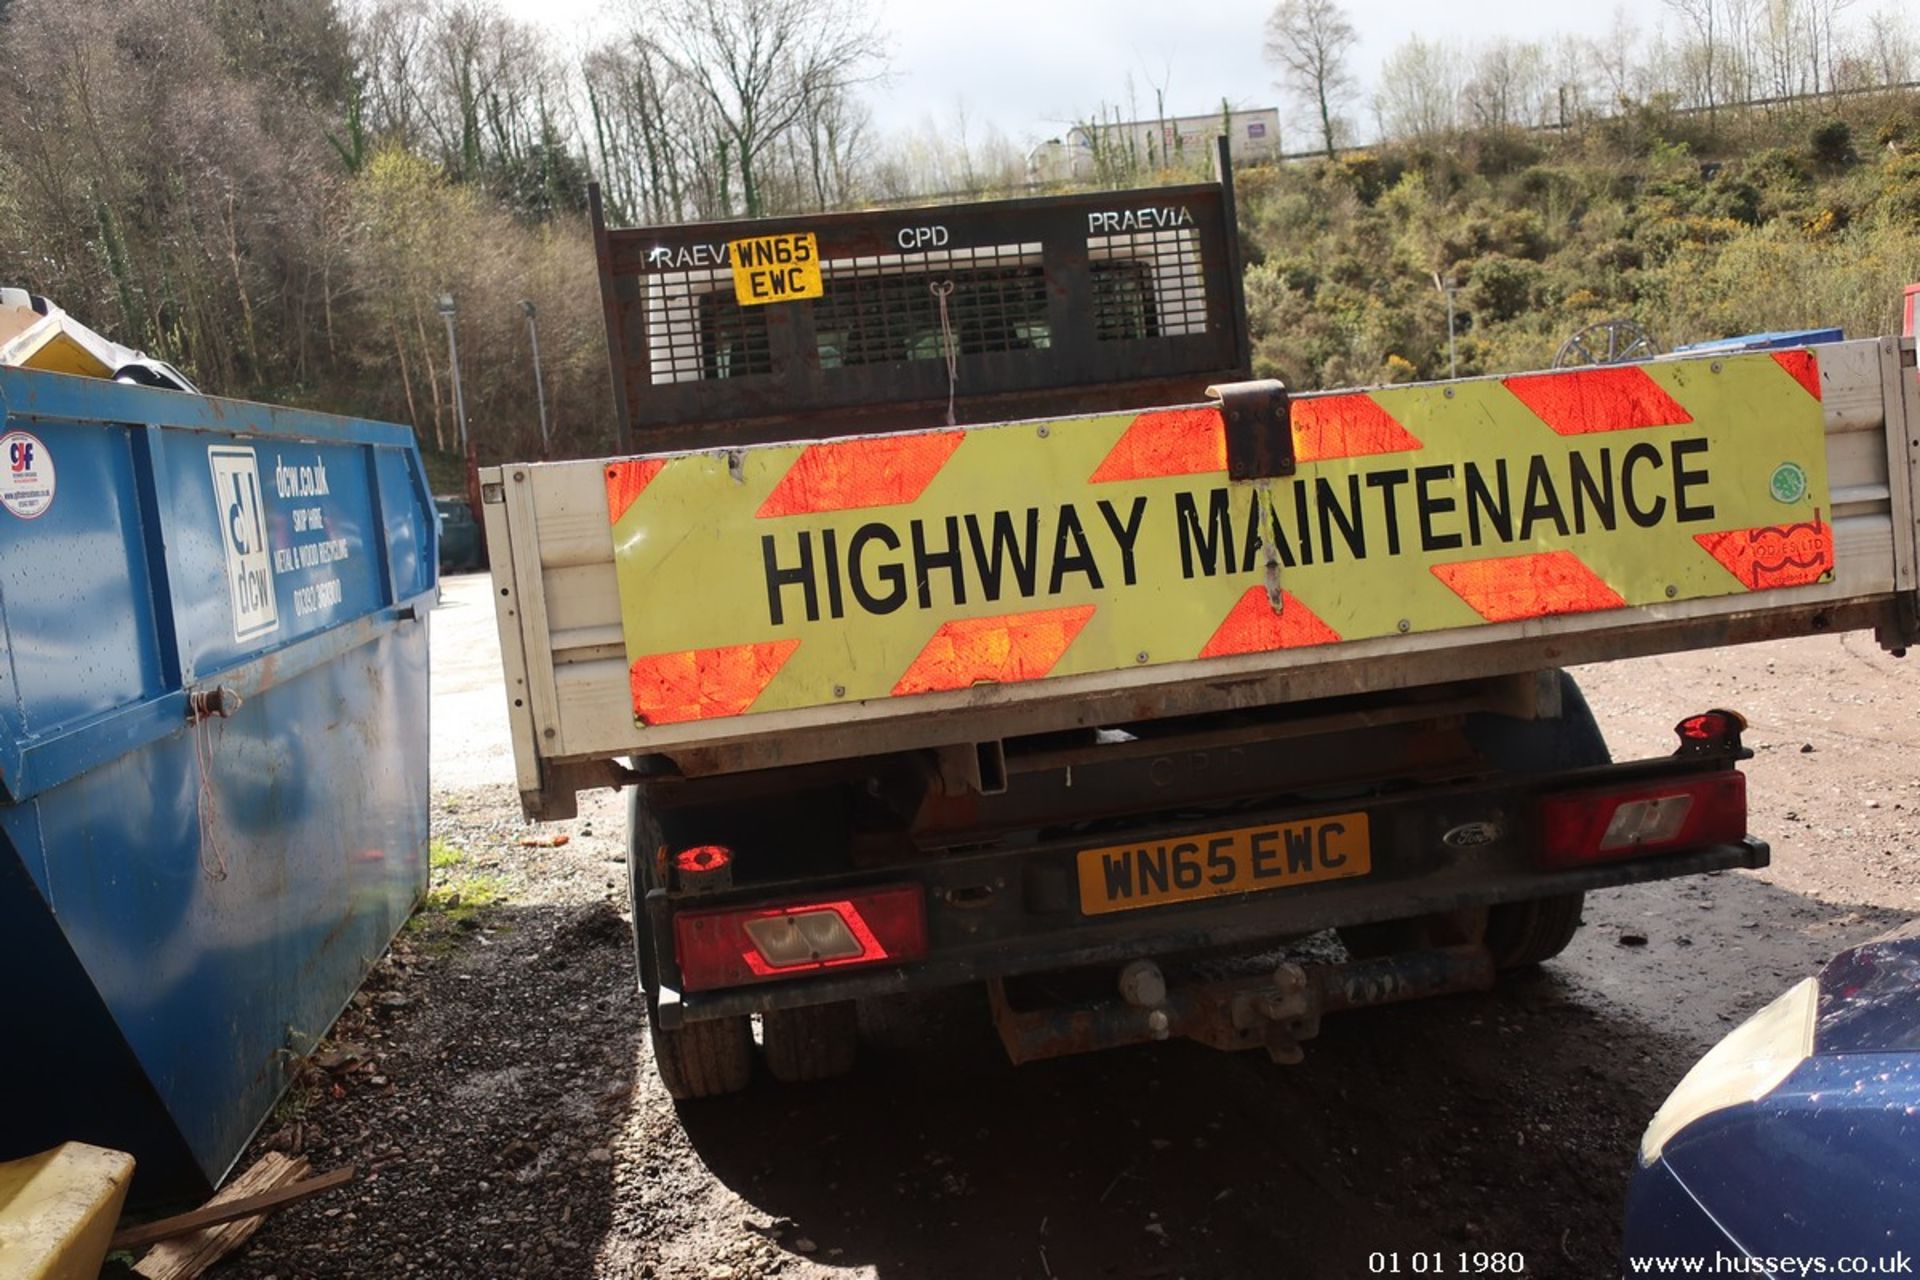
(1274,1012)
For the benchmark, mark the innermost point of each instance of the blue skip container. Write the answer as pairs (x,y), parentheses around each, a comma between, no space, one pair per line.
(213,755)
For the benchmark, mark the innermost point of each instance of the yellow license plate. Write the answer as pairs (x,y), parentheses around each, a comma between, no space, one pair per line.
(1280,855)
(777,268)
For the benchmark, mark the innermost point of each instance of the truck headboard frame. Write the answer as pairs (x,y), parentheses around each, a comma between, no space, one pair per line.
(1057,304)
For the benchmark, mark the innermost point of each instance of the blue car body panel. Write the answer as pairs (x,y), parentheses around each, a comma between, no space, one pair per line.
(185,907)
(1870,997)
(1827,1164)
(1777,340)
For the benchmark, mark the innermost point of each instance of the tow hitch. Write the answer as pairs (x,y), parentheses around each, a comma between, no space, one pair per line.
(1276,1012)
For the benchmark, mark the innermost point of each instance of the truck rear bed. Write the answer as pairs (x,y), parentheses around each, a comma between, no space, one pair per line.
(780,604)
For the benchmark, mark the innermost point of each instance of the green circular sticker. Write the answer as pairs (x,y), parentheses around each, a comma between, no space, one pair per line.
(1789,483)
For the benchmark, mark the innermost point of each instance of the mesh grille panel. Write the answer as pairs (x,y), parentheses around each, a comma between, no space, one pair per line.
(1045,301)
(883,309)
(696,330)
(1147,284)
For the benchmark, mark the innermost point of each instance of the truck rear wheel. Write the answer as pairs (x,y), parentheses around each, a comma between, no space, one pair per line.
(1522,934)
(697,1059)
(817,1042)
(704,1059)
(1519,934)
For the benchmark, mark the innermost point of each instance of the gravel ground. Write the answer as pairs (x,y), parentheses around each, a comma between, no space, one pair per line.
(492,1081)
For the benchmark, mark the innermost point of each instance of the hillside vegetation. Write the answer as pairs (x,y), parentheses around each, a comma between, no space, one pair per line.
(1693,227)
(274,197)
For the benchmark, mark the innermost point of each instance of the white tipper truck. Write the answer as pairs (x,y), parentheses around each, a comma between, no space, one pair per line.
(960,610)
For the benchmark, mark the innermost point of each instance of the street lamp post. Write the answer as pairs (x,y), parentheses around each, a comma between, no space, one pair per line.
(539,386)
(447,312)
(1446,285)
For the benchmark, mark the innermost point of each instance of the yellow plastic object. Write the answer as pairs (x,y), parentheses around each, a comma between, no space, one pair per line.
(58,1210)
(53,343)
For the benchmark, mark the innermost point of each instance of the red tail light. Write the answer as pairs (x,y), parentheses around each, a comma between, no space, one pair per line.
(706,868)
(729,946)
(706,857)
(1624,822)
(1710,730)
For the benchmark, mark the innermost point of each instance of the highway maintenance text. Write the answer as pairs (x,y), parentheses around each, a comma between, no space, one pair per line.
(1025,552)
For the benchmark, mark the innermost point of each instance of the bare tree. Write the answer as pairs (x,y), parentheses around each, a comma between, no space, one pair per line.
(829,135)
(746,106)
(762,64)
(1617,54)
(479,91)
(1310,40)
(1419,90)
(1571,92)
(650,129)
(948,155)
(1779,48)
(1890,47)
(1823,20)
(1507,86)
(1704,20)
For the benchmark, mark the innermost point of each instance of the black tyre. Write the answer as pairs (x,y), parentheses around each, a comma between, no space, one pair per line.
(644,839)
(818,1042)
(1519,934)
(700,1059)
(709,1058)
(1523,934)
(704,1059)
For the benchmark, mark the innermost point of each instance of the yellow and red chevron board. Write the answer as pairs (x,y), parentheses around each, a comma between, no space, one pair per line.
(805,575)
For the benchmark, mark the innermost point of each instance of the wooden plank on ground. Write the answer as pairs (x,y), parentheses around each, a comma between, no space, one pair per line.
(192,1242)
(188,1256)
(215,1214)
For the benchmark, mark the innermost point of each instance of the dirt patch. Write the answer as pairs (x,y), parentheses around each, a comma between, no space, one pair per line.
(492,1056)
(588,932)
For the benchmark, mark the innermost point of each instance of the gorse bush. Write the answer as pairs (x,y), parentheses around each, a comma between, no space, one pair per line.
(1652,217)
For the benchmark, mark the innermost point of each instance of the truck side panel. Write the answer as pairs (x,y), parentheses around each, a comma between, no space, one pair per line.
(578,703)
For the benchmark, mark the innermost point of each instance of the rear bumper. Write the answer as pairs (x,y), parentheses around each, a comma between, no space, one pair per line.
(1007,912)
(1182,928)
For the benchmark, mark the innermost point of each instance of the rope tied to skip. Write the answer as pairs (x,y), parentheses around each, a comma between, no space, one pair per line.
(204,706)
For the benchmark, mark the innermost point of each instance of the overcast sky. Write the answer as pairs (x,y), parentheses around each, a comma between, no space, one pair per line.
(1031,67)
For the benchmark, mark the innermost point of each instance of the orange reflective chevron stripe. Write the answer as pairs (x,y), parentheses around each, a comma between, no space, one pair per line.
(1166,442)
(698,684)
(1254,627)
(1579,401)
(1804,368)
(626,481)
(843,475)
(1508,588)
(1770,556)
(1189,442)
(1347,426)
(1003,649)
